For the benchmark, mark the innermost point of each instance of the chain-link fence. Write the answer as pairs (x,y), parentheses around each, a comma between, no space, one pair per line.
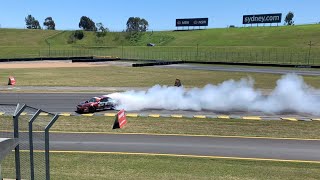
(260,55)
(297,56)
(31,126)
(7,131)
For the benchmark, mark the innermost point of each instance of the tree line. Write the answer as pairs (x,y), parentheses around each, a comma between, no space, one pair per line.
(134,24)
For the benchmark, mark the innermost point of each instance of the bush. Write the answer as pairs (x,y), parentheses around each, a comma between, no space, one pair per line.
(78,34)
(71,39)
(101,34)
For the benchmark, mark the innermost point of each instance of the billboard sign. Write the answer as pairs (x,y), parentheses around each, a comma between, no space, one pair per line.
(262,18)
(192,22)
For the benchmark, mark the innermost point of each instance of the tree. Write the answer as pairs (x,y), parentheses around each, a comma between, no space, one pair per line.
(87,24)
(49,23)
(78,34)
(101,30)
(32,23)
(289,19)
(29,19)
(36,25)
(135,24)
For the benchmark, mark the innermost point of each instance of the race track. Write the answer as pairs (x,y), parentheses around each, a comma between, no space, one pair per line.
(284,149)
(66,102)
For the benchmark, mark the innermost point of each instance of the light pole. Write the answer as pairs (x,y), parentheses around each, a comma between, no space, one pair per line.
(49,49)
(309,52)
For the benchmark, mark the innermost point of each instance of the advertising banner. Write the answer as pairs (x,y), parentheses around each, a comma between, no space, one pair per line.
(262,18)
(192,22)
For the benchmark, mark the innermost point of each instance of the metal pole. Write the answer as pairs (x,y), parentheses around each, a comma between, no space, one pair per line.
(16,135)
(309,52)
(197,51)
(49,51)
(47,158)
(122,52)
(31,144)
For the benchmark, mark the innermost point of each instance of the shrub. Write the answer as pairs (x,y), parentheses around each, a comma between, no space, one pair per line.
(78,34)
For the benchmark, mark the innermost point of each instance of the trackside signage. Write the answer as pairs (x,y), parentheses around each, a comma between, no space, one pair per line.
(120,120)
(262,18)
(192,22)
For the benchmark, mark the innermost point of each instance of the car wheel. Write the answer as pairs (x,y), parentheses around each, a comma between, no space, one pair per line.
(79,111)
(92,109)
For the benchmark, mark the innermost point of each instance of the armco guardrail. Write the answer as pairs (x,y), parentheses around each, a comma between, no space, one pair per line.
(94,59)
(43,58)
(157,63)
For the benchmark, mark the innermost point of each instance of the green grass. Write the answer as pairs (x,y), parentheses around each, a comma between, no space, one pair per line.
(283,36)
(152,167)
(234,127)
(218,127)
(284,44)
(114,166)
(113,76)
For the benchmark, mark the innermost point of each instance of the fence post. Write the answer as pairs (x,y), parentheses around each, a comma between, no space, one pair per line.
(269,56)
(16,135)
(197,51)
(47,157)
(122,52)
(31,144)
(291,57)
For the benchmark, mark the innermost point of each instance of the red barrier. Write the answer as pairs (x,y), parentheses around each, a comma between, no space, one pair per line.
(120,120)
(11,81)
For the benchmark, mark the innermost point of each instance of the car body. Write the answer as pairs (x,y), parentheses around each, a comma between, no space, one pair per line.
(96,104)
(151,44)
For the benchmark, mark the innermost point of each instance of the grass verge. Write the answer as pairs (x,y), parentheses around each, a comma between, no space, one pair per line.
(112,76)
(118,166)
(219,127)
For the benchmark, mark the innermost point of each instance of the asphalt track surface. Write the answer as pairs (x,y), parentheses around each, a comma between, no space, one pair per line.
(66,103)
(279,149)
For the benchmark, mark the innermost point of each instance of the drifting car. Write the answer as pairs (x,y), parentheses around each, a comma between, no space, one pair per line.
(96,104)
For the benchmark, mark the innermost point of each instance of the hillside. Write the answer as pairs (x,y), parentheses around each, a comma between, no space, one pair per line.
(283,36)
(25,42)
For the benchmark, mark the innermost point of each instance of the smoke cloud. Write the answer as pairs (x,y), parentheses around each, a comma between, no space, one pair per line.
(291,94)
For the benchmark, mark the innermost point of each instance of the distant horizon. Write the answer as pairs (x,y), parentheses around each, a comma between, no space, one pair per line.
(161,15)
(196,29)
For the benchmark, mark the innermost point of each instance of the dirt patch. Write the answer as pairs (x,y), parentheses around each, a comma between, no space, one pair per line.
(47,64)
(56,64)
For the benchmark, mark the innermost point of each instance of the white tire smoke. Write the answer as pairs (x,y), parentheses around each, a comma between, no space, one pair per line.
(291,94)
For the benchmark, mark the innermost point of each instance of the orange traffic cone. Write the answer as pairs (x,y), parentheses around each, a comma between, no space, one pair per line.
(11,81)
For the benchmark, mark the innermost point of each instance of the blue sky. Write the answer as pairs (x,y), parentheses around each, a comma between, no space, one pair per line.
(160,14)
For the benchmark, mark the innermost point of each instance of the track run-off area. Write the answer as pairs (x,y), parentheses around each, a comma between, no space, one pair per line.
(252,148)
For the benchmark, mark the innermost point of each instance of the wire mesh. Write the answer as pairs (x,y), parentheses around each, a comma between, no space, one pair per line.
(38,134)
(24,141)
(6,131)
(32,123)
